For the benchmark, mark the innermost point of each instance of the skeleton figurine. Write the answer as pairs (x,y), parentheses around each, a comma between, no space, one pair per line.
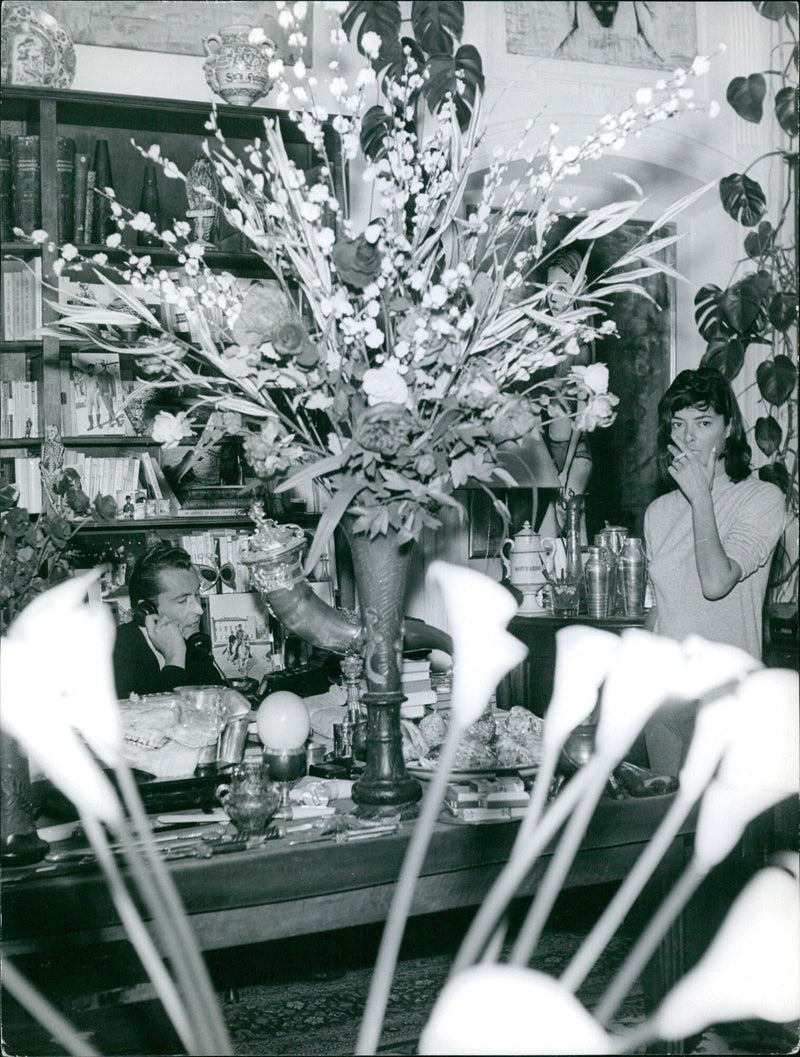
(51,465)
(203,192)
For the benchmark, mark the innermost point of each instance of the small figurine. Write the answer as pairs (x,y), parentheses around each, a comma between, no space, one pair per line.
(51,464)
(203,192)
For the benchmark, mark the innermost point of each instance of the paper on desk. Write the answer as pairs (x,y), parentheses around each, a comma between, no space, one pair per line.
(174,818)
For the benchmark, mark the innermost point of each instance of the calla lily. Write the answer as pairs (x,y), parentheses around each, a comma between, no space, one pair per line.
(707,665)
(57,679)
(637,683)
(751,968)
(493,1008)
(478,610)
(584,657)
(760,765)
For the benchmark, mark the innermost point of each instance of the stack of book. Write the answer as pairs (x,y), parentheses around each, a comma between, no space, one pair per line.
(220,499)
(416,685)
(22,299)
(19,409)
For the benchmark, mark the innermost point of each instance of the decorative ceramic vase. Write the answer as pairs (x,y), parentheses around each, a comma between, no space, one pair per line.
(381,565)
(236,69)
(19,841)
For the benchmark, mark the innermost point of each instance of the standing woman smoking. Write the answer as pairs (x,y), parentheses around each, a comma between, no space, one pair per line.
(709,540)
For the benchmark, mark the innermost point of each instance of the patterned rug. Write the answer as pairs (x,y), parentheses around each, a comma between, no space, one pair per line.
(295,1018)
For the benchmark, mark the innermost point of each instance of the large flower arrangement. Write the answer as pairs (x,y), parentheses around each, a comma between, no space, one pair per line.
(393,360)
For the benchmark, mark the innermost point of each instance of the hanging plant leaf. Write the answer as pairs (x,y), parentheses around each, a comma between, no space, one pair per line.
(726,355)
(757,243)
(782,311)
(460,76)
(786,109)
(742,199)
(708,312)
(774,10)
(375,127)
(768,434)
(746,96)
(379,16)
(776,473)
(438,25)
(744,304)
(776,379)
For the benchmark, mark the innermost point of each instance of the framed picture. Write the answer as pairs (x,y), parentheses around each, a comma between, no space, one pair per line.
(629,33)
(624,477)
(232,616)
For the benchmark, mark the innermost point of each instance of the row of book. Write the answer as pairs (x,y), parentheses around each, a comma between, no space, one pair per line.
(83,215)
(22,299)
(26,475)
(19,409)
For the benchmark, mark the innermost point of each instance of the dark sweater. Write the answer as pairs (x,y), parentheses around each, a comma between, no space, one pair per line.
(136,667)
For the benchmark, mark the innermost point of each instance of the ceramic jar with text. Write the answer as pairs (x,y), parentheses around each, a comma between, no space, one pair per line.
(236,69)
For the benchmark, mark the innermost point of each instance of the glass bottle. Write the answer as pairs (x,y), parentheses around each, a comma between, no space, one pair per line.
(574,563)
(149,203)
(597,579)
(352,667)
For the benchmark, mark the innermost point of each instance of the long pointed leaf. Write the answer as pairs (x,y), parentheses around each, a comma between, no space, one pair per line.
(602,221)
(679,206)
(137,306)
(648,249)
(330,518)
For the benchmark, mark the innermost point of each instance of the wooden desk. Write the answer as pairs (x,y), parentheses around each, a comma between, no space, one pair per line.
(531,683)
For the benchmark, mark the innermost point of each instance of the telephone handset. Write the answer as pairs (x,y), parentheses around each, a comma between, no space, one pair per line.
(142,610)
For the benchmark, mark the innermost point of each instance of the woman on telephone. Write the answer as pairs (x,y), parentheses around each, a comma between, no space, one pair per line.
(162,647)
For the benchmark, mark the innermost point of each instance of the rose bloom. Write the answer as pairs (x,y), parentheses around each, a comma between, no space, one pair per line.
(383,385)
(514,419)
(594,377)
(169,429)
(599,412)
(385,428)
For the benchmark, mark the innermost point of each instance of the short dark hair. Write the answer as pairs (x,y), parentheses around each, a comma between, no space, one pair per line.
(145,582)
(706,387)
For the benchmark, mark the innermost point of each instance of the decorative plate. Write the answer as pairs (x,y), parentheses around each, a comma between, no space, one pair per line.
(35,49)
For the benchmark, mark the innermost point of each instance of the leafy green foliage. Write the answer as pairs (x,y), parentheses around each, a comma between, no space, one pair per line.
(746,96)
(776,380)
(742,199)
(437,26)
(760,308)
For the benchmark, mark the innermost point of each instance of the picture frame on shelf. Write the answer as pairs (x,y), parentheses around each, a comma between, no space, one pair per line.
(241,637)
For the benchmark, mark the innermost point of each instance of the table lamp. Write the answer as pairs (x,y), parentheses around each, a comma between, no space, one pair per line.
(283,725)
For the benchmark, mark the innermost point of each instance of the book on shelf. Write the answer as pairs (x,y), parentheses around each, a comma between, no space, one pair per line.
(79,197)
(6,195)
(22,299)
(19,409)
(88,211)
(65,173)
(24,472)
(26,183)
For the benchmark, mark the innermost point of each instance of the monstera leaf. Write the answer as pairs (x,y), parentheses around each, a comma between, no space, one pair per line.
(744,304)
(786,109)
(746,96)
(776,379)
(783,311)
(380,16)
(776,473)
(448,76)
(742,199)
(759,242)
(708,312)
(375,127)
(775,10)
(726,355)
(438,25)
(768,435)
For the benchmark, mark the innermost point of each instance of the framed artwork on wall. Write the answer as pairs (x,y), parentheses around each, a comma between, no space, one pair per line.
(640,358)
(176,27)
(654,36)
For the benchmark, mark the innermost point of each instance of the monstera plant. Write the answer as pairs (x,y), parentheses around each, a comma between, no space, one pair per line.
(431,66)
(759,307)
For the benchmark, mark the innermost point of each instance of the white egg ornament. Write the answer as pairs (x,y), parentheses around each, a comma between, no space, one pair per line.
(282,721)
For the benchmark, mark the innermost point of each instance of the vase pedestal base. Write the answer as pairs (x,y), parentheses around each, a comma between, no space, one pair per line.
(385,789)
